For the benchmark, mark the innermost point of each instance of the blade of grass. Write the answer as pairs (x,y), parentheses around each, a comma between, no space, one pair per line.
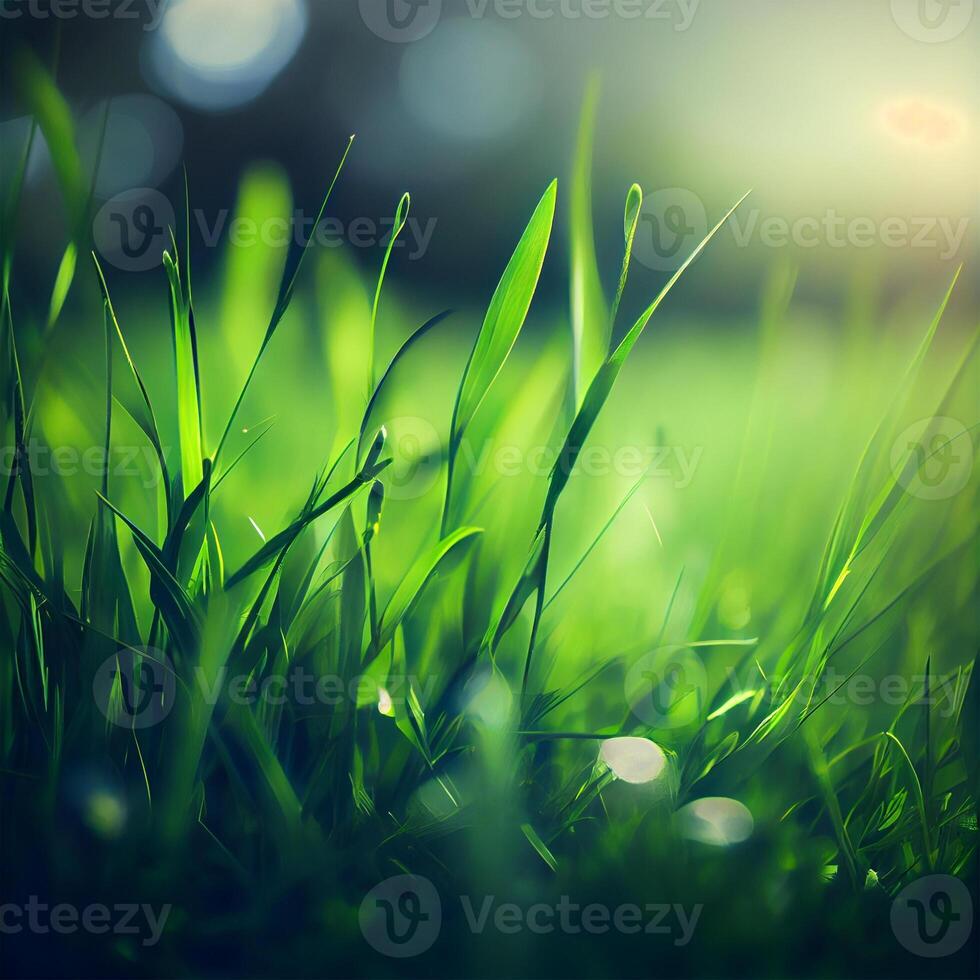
(290,273)
(401,216)
(590,321)
(505,317)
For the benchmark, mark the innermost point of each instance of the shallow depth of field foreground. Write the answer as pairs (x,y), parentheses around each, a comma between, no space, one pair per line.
(572,607)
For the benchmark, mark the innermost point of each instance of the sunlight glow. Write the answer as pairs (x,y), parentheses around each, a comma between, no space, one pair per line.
(634,760)
(716,820)
(216,54)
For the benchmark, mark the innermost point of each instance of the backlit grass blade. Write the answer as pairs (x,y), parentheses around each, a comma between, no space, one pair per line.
(188,382)
(39,93)
(833,570)
(920,803)
(595,541)
(20,472)
(535,576)
(251,270)
(408,592)
(148,423)
(604,380)
(66,268)
(62,283)
(631,218)
(105,595)
(590,320)
(367,421)
(502,324)
(175,605)
(289,275)
(539,846)
(527,584)
(279,542)
(401,216)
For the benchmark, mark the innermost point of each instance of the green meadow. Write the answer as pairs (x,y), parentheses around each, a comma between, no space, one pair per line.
(310,584)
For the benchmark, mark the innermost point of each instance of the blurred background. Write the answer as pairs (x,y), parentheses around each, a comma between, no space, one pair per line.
(854,124)
(748,402)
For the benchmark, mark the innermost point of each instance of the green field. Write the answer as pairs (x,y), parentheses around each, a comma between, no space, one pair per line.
(306,587)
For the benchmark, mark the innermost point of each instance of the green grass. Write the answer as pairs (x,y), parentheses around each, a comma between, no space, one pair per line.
(483,625)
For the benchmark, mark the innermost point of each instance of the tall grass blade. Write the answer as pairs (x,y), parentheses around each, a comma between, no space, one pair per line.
(590,320)
(504,319)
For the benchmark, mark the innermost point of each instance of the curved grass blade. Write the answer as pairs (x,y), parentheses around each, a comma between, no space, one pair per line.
(535,575)
(175,605)
(920,803)
(408,592)
(604,380)
(832,570)
(20,472)
(502,324)
(631,218)
(39,93)
(248,448)
(188,380)
(399,354)
(401,216)
(281,541)
(149,423)
(595,541)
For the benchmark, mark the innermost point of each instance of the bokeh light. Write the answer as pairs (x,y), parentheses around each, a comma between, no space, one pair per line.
(217,54)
